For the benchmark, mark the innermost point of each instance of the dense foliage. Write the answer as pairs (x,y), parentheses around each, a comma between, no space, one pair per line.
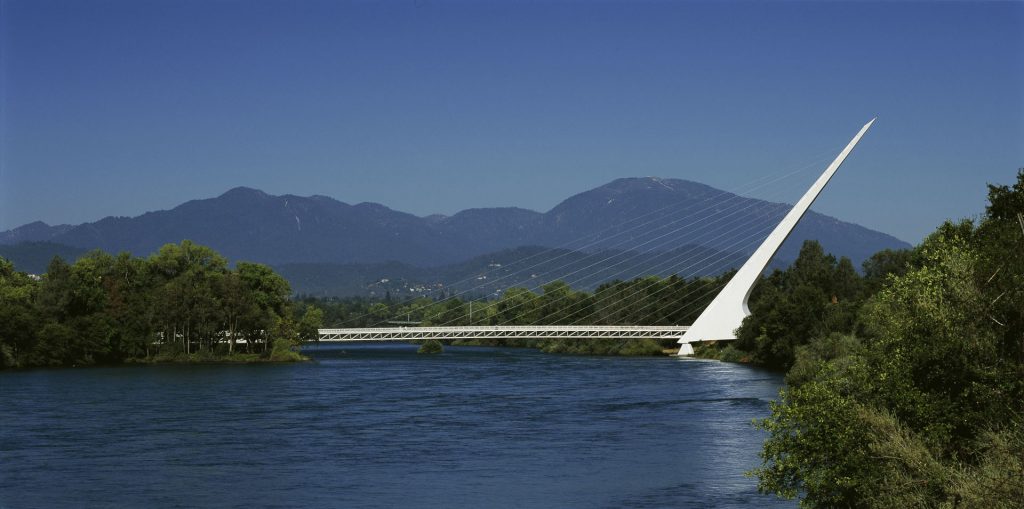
(816,294)
(912,395)
(182,302)
(430,346)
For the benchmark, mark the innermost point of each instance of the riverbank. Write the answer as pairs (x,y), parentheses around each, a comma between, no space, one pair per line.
(210,358)
(283,356)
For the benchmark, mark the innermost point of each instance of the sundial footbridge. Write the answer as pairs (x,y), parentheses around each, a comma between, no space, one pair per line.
(718,321)
(504,332)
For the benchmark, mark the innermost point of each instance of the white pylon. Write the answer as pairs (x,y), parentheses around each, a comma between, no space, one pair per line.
(725,314)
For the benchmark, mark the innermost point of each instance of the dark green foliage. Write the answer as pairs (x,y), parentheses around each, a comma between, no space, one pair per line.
(817,295)
(1005,203)
(285,350)
(628,347)
(812,357)
(17,314)
(927,408)
(183,300)
(1001,264)
(312,319)
(882,264)
(430,346)
(724,351)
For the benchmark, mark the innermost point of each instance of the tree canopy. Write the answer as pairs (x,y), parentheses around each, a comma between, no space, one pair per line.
(182,300)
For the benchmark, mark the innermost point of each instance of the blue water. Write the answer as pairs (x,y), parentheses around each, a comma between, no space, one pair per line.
(379,426)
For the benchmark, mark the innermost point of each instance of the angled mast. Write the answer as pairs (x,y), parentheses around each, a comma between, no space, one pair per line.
(726,312)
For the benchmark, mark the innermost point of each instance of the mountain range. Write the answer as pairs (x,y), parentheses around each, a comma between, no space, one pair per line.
(312,235)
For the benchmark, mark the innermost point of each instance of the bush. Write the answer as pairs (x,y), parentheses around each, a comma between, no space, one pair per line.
(628,347)
(431,346)
(285,350)
(641,347)
(722,351)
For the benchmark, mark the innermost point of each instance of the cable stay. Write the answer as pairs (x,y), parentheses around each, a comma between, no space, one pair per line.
(647,238)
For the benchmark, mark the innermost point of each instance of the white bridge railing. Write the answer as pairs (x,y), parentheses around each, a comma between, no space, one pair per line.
(505,332)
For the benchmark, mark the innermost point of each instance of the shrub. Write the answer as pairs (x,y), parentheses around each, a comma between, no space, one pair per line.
(431,346)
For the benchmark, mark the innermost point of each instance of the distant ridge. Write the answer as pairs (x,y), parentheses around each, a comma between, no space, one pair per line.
(36,231)
(248,224)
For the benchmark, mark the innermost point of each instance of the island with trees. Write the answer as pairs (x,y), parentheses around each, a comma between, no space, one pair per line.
(182,304)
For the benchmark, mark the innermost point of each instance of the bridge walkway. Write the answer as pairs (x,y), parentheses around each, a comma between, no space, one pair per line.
(504,332)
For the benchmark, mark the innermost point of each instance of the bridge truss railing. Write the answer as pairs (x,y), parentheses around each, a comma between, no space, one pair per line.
(505,332)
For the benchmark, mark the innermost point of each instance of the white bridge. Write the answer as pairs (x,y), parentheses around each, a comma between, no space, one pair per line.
(718,321)
(505,332)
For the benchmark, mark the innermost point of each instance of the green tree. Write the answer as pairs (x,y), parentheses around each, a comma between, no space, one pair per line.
(816,296)
(881,265)
(378,312)
(269,293)
(560,304)
(18,316)
(517,306)
(312,320)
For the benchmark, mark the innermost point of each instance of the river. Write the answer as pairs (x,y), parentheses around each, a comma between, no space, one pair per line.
(380,426)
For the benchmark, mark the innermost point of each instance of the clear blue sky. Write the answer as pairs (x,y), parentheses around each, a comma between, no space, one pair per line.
(120,107)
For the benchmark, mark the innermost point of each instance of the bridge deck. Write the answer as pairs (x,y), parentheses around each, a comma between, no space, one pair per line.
(505,332)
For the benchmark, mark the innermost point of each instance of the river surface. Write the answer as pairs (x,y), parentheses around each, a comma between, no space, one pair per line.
(380,426)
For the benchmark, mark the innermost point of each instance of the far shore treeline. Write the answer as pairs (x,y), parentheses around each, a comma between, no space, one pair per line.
(183,303)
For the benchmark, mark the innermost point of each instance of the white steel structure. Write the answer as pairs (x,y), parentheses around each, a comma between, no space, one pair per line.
(719,320)
(725,314)
(503,332)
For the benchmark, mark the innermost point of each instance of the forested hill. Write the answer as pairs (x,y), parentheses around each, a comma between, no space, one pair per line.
(247,224)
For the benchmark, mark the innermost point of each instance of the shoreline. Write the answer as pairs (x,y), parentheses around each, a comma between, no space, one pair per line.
(194,359)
